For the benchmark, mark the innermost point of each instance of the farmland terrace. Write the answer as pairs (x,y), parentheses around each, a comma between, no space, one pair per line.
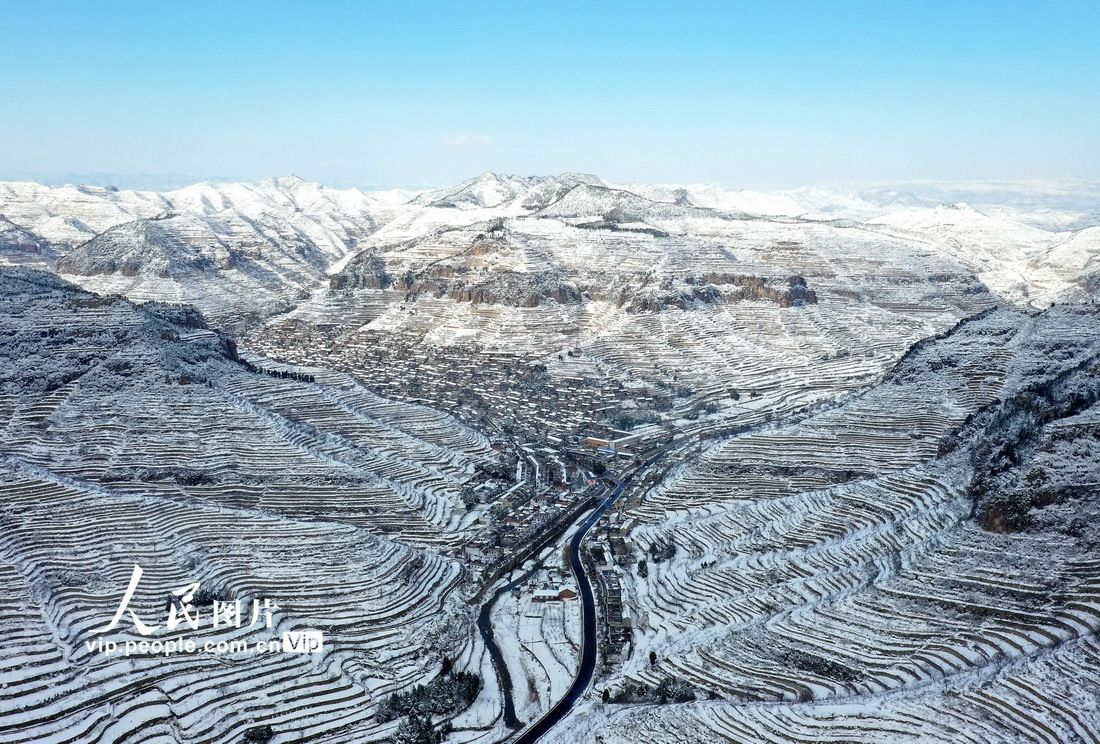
(919,559)
(134,434)
(842,452)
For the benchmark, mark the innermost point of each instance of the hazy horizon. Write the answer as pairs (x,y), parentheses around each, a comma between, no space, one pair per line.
(172,182)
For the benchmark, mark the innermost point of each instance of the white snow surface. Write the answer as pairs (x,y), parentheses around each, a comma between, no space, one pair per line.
(1031,242)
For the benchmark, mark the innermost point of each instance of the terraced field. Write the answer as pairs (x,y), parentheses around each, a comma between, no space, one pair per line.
(856,573)
(847,447)
(706,308)
(134,435)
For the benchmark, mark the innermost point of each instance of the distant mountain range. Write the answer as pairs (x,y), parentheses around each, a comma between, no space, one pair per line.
(264,247)
(819,464)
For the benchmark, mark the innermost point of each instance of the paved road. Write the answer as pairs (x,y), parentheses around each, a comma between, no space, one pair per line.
(485,626)
(485,623)
(589,635)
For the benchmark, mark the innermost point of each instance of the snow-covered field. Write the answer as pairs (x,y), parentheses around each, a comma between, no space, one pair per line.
(132,436)
(848,576)
(878,523)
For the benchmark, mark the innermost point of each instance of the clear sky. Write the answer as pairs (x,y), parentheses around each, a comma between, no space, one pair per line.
(758,93)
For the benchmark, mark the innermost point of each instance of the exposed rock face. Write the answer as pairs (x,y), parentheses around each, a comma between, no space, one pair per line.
(530,289)
(16,241)
(460,281)
(712,288)
(761,288)
(799,293)
(365,271)
(500,288)
(489,269)
(693,292)
(655,302)
(1036,465)
(684,295)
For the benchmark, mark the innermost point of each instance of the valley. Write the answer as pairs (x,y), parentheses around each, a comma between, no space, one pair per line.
(661,463)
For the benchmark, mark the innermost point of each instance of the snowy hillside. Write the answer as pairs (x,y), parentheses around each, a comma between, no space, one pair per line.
(1024,246)
(198,465)
(230,248)
(920,559)
(597,462)
(264,246)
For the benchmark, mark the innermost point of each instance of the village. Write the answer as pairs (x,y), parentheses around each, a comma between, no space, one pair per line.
(552,433)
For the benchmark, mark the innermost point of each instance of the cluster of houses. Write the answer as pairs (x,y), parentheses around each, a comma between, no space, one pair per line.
(511,391)
(544,426)
(611,552)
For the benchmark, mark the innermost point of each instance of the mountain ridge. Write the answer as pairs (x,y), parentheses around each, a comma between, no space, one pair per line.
(279,240)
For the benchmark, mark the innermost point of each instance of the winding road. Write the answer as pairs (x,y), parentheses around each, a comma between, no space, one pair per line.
(589,633)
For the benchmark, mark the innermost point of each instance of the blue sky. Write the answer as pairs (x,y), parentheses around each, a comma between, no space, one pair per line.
(744,94)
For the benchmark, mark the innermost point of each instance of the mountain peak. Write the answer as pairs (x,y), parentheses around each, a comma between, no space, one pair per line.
(291,181)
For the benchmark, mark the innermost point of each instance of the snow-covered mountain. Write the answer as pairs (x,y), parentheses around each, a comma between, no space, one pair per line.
(911,561)
(269,244)
(490,190)
(842,446)
(332,218)
(223,247)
